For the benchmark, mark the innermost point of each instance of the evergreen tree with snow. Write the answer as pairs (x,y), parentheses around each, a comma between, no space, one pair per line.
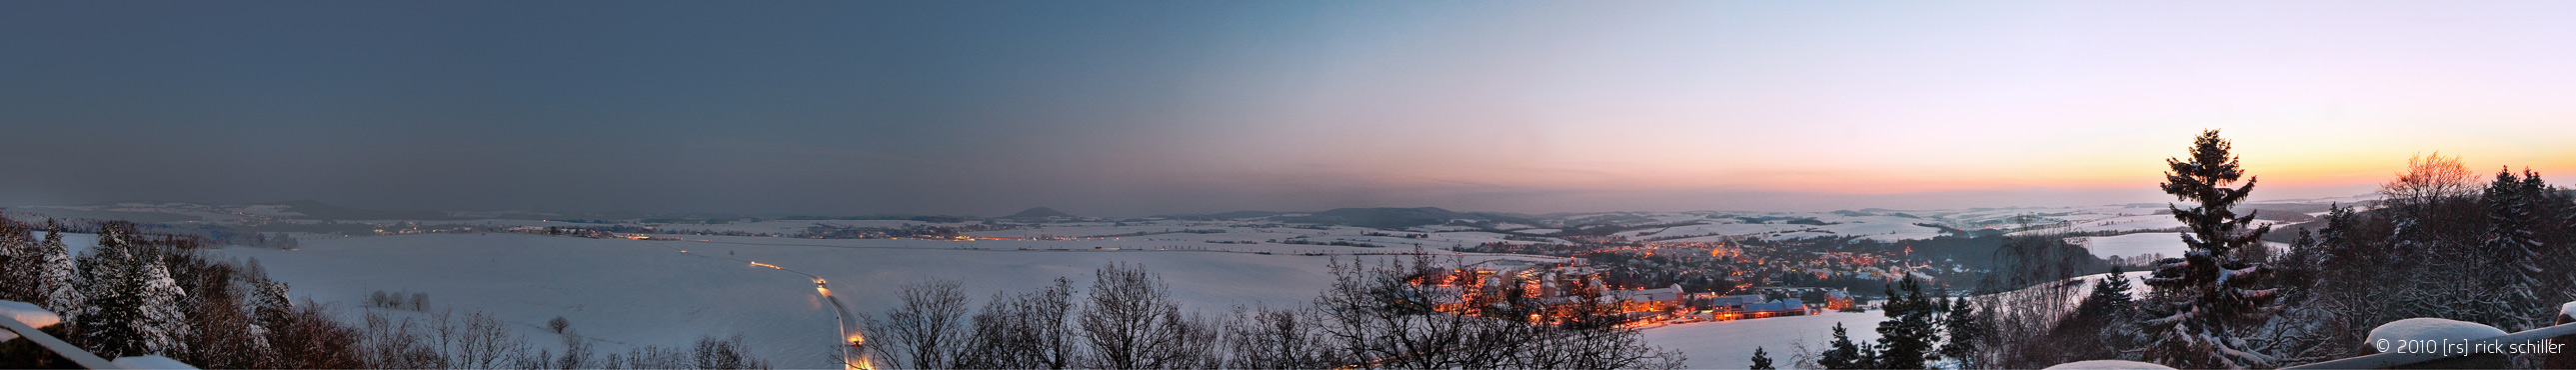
(269,304)
(1965,329)
(135,306)
(2203,304)
(165,317)
(1761,360)
(112,319)
(60,281)
(1841,353)
(2110,296)
(2553,216)
(19,266)
(1906,339)
(2508,260)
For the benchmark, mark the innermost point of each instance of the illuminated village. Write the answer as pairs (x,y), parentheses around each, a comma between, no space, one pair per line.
(1643,281)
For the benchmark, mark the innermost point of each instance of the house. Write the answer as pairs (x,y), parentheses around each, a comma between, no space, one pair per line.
(1752,306)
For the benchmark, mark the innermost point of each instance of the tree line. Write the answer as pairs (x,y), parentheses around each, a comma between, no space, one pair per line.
(137,293)
(1373,316)
(2439,243)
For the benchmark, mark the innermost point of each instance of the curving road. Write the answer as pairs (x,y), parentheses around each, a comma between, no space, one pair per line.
(850,337)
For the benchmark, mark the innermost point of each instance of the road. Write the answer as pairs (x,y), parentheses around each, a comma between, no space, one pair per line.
(850,337)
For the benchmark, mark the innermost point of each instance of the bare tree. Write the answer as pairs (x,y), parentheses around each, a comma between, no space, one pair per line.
(1282,338)
(576,354)
(2429,178)
(1382,319)
(386,343)
(485,342)
(1024,331)
(558,324)
(924,331)
(1131,322)
(728,353)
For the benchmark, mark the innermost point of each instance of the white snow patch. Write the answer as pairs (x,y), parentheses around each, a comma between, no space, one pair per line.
(2109,365)
(150,362)
(1729,344)
(2426,328)
(26,313)
(2165,243)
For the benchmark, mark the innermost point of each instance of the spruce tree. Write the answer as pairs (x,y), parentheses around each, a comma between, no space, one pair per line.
(269,304)
(1841,353)
(2203,303)
(165,318)
(62,291)
(1965,330)
(2508,261)
(18,265)
(113,321)
(1762,361)
(2110,296)
(1906,338)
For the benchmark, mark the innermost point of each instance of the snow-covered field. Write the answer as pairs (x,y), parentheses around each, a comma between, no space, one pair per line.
(2168,244)
(1713,227)
(1729,344)
(631,292)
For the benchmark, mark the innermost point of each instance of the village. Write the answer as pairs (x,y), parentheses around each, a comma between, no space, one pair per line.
(1658,283)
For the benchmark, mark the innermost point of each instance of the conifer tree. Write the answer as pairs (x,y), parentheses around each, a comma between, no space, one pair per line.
(2203,303)
(2110,296)
(112,321)
(19,266)
(2508,258)
(1966,329)
(62,292)
(1841,353)
(1906,338)
(165,320)
(1761,361)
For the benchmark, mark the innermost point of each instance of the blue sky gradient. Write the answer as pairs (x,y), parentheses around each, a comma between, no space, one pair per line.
(1153,107)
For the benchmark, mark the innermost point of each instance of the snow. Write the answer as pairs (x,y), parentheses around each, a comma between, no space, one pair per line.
(2109,365)
(150,362)
(1729,344)
(2432,329)
(1716,227)
(26,313)
(75,243)
(2166,243)
(626,293)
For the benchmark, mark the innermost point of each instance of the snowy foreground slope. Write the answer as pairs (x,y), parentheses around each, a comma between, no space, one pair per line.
(1729,344)
(2168,244)
(629,292)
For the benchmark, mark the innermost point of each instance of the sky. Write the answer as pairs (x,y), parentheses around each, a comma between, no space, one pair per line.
(1130,108)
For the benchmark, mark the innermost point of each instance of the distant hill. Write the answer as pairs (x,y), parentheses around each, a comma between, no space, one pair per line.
(316,210)
(1038,213)
(1397,218)
(1235,215)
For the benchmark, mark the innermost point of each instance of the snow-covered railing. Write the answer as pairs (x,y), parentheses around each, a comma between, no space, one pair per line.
(22,318)
(2395,357)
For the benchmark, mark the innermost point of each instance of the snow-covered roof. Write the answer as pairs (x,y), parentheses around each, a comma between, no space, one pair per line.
(2426,328)
(150,362)
(2109,365)
(26,313)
